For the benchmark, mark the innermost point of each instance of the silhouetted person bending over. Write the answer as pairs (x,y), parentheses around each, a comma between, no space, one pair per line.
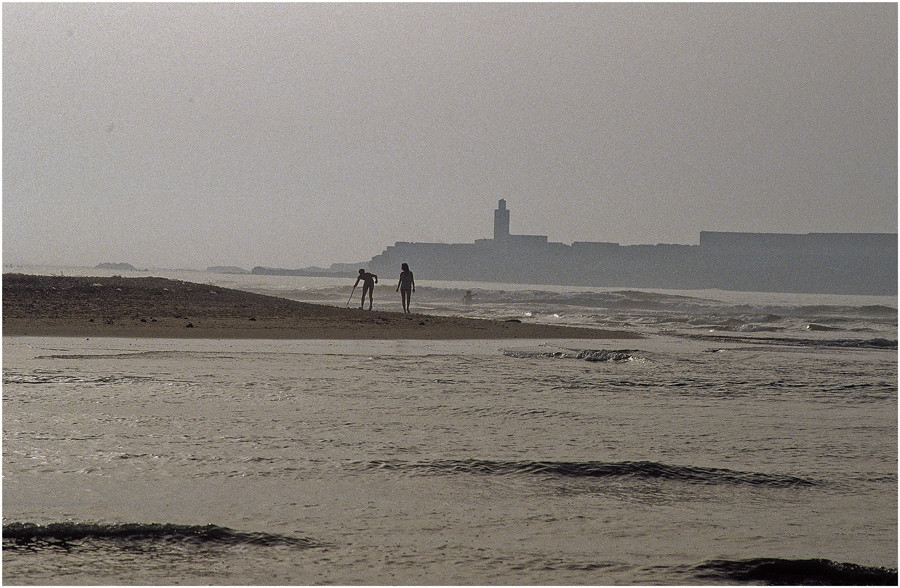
(406,286)
(369,281)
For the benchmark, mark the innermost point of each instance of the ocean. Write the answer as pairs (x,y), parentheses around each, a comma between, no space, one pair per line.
(749,438)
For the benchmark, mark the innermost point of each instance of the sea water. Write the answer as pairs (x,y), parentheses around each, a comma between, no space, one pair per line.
(747,438)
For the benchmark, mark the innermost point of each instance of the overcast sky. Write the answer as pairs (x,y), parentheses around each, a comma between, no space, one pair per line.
(289,135)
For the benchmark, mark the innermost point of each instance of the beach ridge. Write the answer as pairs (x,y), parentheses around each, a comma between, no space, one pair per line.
(160,307)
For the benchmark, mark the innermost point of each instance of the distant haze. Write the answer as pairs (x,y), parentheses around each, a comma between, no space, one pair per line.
(289,135)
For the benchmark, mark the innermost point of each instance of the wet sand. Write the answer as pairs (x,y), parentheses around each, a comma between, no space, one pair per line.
(159,307)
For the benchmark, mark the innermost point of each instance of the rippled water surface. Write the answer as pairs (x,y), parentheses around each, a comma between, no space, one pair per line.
(733,444)
(449,462)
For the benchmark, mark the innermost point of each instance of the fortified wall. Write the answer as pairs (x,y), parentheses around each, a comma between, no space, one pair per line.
(827,263)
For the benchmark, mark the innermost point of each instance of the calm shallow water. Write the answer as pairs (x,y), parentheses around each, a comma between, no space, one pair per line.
(665,460)
(749,438)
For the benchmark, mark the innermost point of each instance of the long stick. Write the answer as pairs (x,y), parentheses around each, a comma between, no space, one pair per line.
(351,294)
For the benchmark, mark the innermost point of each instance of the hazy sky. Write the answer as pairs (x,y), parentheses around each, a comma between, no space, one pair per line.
(289,135)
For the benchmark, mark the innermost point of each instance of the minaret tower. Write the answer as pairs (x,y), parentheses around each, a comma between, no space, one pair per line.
(501,221)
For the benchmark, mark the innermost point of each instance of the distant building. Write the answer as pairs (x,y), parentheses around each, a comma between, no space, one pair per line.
(501,221)
(834,263)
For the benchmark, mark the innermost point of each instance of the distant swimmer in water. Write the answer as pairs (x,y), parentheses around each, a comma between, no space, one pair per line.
(468,297)
(406,286)
(369,281)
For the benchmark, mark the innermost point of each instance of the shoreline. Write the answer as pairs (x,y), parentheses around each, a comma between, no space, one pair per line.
(151,307)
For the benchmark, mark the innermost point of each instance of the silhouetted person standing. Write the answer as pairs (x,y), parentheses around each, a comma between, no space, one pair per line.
(406,286)
(369,281)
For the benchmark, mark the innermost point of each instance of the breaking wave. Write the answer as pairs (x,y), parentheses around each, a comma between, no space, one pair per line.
(598,355)
(30,535)
(875,343)
(818,327)
(142,355)
(40,379)
(594,469)
(775,571)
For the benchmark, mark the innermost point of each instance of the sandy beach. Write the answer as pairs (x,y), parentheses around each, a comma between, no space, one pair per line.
(159,307)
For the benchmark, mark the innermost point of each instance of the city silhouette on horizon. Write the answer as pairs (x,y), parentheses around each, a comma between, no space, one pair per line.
(825,263)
